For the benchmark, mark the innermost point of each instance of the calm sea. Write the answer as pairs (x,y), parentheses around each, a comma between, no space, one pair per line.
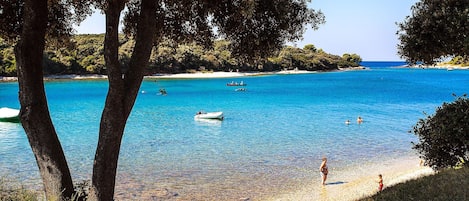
(274,134)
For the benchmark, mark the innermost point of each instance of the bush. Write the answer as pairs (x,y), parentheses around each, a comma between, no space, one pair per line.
(444,137)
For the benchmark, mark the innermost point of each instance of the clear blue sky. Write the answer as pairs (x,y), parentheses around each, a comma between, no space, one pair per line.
(365,27)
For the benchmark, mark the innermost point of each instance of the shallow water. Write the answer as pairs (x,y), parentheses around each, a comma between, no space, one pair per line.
(271,140)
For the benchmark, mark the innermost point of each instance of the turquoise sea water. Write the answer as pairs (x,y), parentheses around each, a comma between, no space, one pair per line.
(273,135)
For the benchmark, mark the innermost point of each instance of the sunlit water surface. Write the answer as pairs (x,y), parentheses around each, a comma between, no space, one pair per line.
(272,139)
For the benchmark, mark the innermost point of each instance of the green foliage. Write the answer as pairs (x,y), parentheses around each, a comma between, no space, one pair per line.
(62,15)
(436,29)
(310,47)
(311,59)
(85,55)
(351,60)
(444,137)
(7,60)
(446,185)
(254,29)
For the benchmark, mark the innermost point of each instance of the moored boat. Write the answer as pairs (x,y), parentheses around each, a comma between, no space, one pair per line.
(9,115)
(209,115)
(232,83)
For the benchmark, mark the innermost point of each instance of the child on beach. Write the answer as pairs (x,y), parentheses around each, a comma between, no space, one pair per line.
(380,182)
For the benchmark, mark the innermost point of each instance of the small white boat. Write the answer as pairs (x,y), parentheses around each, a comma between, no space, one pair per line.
(9,115)
(209,115)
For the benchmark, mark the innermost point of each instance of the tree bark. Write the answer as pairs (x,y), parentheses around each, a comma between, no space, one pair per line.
(122,92)
(34,114)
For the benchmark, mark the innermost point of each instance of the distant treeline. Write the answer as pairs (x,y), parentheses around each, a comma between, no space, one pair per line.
(84,55)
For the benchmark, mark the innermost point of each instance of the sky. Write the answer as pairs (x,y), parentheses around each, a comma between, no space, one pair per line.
(364,27)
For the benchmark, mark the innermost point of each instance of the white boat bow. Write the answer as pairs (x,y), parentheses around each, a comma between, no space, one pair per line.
(9,114)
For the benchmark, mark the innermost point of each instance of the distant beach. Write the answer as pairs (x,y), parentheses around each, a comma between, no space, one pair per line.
(224,74)
(182,75)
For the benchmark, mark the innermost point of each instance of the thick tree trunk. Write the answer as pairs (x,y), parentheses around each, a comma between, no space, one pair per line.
(123,90)
(113,118)
(34,115)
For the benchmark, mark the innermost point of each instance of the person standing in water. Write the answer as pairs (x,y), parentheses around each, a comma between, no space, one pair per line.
(359,120)
(324,171)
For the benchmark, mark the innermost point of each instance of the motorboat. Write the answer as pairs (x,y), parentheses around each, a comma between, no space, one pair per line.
(240,89)
(232,83)
(209,115)
(9,115)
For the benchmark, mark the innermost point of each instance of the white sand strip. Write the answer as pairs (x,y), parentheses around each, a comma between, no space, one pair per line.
(224,74)
(182,75)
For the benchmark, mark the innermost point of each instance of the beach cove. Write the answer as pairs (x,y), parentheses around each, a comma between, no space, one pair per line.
(196,75)
(270,145)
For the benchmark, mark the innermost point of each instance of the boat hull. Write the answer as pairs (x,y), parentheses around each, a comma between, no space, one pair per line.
(9,115)
(210,115)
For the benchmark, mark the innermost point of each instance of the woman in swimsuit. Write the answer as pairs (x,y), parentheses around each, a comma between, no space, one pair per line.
(323,170)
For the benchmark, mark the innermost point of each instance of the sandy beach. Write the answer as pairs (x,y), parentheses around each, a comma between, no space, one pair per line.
(240,74)
(165,76)
(196,75)
(224,74)
(199,75)
(346,184)
(349,185)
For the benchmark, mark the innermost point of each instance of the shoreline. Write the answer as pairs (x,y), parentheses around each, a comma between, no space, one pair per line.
(344,183)
(442,66)
(197,75)
(358,182)
(221,74)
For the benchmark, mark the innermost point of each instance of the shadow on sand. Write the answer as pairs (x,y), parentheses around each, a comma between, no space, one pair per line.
(336,183)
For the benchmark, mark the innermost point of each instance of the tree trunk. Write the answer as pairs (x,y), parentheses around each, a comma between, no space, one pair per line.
(34,114)
(122,92)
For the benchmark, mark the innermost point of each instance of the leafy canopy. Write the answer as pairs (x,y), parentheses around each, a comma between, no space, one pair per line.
(437,29)
(62,15)
(254,28)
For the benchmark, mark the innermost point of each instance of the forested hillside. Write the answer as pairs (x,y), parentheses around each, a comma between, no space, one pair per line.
(85,56)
